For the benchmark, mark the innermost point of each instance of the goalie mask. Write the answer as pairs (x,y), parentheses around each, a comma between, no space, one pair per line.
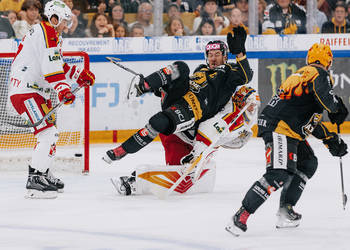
(216,45)
(321,54)
(244,95)
(59,9)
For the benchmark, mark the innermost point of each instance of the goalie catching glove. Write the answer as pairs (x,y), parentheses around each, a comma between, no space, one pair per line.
(336,145)
(82,77)
(64,93)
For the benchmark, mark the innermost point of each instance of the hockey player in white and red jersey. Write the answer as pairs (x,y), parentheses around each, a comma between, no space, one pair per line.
(180,148)
(37,68)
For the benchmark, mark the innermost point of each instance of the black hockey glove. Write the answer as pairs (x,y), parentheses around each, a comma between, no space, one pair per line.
(236,44)
(142,86)
(336,146)
(340,116)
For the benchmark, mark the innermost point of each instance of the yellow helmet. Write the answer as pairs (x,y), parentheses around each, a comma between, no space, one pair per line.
(320,53)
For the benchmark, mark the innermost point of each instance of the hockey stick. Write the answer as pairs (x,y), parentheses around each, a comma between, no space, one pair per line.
(200,159)
(29,124)
(344,196)
(115,61)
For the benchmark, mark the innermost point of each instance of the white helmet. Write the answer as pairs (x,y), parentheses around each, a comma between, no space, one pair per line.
(59,9)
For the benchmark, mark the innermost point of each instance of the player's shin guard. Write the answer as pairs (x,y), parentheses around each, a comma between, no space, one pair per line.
(136,142)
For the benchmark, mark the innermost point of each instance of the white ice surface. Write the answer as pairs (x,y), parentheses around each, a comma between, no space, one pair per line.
(90,215)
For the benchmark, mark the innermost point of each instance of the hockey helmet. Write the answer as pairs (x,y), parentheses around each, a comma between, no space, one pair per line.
(321,54)
(60,10)
(215,45)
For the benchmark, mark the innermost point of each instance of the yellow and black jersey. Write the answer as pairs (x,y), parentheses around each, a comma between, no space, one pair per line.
(296,110)
(211,89)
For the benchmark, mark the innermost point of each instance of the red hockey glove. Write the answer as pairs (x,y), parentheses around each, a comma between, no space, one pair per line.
(81,76)
(64,93)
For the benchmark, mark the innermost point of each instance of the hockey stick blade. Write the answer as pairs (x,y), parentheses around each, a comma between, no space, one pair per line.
(115,60)
(29,124)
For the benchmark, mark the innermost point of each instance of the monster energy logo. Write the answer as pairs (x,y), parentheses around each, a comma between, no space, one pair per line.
(283,70)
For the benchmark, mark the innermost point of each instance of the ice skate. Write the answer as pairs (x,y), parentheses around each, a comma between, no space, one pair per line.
(238,222)
(125,185)
(54,181)
(38,187)
(287,217)
(114,154)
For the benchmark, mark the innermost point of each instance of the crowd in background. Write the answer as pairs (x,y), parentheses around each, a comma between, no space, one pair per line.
(106,18)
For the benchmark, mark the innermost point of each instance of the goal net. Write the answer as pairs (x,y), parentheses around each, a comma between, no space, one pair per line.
(72,122)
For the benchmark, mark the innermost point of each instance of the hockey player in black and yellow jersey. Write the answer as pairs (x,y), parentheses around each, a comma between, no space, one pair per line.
(188,100)
(291,115)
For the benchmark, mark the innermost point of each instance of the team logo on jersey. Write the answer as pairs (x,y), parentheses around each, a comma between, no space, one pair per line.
(268,152)
(312,123)
(55,57)
(144,132)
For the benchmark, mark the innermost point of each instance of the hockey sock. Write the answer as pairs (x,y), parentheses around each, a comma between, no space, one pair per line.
(140,139)
(292,191)
(255,197)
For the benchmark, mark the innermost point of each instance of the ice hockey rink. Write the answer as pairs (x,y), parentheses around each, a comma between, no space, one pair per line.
(90,215)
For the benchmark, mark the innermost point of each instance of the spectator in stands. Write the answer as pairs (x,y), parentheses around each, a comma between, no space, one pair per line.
(327,7)
(348,11)
(210,10)
(144,17)
(116,15)
(80,30)
(321,17)
(31,8)
(261,9)
(126,5)
(102,7)
(284,17)
(137,30)
(226,5)
(100,26)
(12,16)
(69,32)
(15,5)
(183,5)
(173,11)
(206,28)
(235,21)
(6,30)
(243,6)
(175,27)
(339,23)
(121,30)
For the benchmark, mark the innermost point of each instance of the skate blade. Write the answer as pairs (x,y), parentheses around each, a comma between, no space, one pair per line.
(60,190)
(285,223)
(36,194)
(107,159)
(233,230)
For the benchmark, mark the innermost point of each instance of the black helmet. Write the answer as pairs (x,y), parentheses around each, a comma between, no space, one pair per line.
(215,45)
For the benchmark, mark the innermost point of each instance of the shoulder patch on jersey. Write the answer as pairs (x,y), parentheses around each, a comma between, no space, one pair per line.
(50,34)
(308,73)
